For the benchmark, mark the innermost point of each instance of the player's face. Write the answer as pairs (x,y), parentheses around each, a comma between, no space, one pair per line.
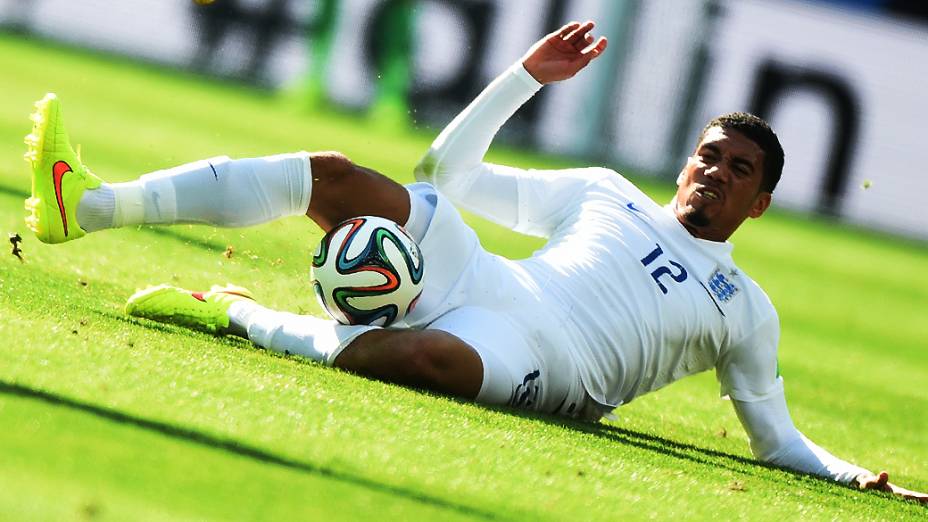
(720,185)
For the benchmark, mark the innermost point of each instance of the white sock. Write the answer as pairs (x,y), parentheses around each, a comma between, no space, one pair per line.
(318,339)
(96,208)
(219,191)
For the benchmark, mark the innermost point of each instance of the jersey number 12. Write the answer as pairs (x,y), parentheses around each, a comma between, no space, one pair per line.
(663,270)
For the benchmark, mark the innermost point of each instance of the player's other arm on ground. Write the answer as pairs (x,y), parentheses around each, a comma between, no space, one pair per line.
(454,163)
(776,440)
(748,374)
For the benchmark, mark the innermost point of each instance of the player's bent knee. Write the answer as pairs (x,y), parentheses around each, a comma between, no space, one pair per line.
(342,189)
(332,182)
(330,166)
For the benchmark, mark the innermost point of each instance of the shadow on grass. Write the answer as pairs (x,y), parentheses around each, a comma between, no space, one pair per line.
(226,340)
(236,447)
(151,325)
(699,455)
(170,328)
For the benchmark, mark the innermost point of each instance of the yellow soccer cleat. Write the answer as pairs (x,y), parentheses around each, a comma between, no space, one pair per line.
(58,176)
(204,311)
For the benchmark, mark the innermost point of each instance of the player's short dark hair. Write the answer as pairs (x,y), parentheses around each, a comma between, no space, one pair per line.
(758,131)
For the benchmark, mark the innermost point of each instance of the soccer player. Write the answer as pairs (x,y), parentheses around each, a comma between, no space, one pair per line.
(626,297)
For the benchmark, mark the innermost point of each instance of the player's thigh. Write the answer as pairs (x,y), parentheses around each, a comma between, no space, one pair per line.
(514,373)
(342,190)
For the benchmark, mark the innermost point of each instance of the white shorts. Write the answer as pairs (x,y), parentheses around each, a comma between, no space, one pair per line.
(489,303)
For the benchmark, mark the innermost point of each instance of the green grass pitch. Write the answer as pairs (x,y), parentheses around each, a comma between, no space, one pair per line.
(106,418)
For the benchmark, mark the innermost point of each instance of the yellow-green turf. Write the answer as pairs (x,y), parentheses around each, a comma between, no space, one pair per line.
(106,417)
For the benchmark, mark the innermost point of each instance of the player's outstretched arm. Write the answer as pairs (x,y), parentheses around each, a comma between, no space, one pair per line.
(775,440)
(459,150)
(749,374)
(454,162)
(563,53)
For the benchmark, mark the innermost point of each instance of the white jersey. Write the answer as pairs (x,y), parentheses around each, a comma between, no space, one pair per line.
(645,303)
(622,288)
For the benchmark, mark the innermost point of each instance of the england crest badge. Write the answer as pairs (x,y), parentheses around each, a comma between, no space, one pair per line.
(722,287)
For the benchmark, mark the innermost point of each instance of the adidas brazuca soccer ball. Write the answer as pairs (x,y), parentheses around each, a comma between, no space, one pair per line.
(367,270)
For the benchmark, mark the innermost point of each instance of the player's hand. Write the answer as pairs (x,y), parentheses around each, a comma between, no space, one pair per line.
(880,482)
(563,53)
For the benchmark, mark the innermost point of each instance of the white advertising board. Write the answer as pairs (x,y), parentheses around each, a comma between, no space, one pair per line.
(831,76)
(844,91)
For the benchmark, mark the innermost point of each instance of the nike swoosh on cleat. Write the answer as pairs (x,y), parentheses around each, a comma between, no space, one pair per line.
(59,169)
(198,296)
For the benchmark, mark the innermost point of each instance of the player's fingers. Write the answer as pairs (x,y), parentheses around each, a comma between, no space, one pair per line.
(908,493)
(882,480)
(595,49)
(878,482)
(566,29)
(583,42)
(576,36)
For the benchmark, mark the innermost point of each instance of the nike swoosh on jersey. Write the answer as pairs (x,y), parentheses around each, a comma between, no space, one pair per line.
(59,169)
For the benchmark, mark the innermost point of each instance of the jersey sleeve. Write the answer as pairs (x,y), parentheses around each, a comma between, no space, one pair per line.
(748,374)
(747,370)
(533,202)
(774,439)
(528,201)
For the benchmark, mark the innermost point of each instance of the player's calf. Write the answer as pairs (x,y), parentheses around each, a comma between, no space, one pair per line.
(68,201)
(429,359)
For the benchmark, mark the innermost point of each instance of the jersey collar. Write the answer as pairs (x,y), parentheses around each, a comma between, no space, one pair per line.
(717,249)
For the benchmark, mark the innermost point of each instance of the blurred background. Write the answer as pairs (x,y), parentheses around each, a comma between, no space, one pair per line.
(842,81)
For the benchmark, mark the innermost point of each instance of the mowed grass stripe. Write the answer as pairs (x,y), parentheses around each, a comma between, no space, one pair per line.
(232,472)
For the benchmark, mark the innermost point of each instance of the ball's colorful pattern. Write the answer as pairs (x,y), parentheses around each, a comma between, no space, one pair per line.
(367,270)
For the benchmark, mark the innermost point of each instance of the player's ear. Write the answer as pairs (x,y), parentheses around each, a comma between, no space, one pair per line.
(761,204)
